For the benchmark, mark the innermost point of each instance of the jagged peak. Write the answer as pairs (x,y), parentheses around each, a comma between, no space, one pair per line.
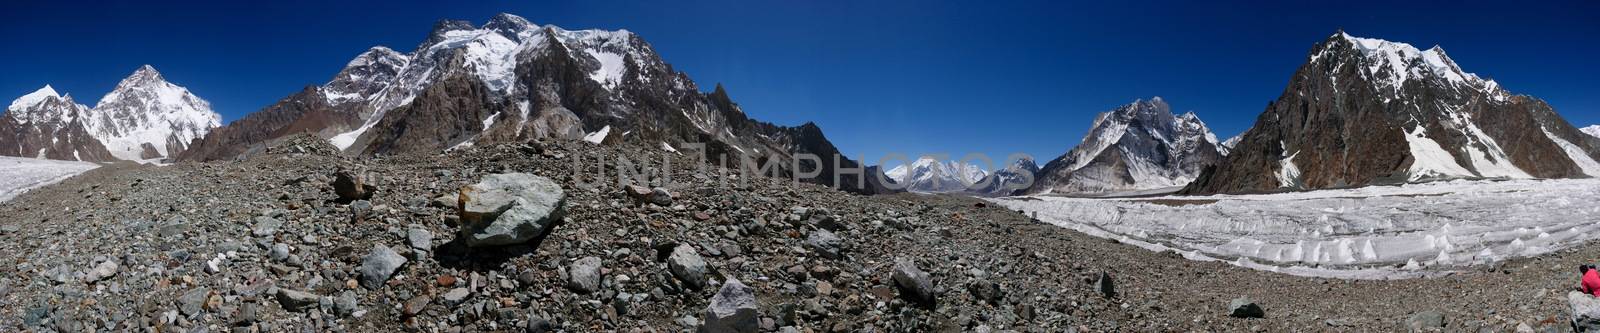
(509,25)
(145,74)
(1399,61)
(34,98)
(376,53)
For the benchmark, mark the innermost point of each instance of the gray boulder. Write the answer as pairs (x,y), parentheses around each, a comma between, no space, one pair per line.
(660,197)
(825,243)
(379,265)
(509,208)
(1585,311)
(346,304)
(1243,307)
(456,296)
(915,285)
(584,275)
(1425,320)
(266,226)
(193,301)
(733,309)
(102,271)
(295,300)
(685,263)
(985,290)
(420,239)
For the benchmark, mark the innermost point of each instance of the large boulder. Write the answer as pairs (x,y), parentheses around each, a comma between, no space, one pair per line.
(509,208)
(379,265)
(685,263)
(826,244)
(1243,307)
(584,275)
(295,300)
(1105,285)
(352,185)
(1425,320)
(1585,311)
(733,309)
(915,285)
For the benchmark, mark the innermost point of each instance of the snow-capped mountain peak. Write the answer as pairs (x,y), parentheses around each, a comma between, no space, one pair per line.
(33,98)
(1389,65)
(365,76)
(44,105)
(1137,146)
(145,109)
(510,26)
(930,175)
(1593,130)
(490,53)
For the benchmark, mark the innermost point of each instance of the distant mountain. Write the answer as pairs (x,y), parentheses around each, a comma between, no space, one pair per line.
(1593,130)
(1227,145)
(1015,177)
(511,80)
(1138,146)
(146,117)
(143,118)
(45,124)
(1366,111)
(931,176)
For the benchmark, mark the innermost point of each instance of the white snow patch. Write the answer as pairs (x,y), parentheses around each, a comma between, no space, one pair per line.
(598,136)
(611,68)
(1593,130)
(1288,172)
(1429,160)
(1577,154)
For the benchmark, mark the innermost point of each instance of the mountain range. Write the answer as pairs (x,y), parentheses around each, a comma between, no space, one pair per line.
(1358,112)
(145,118)
(511,80)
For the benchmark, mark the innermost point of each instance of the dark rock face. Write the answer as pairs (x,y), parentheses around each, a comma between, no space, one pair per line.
(304,112)
(1134,147)
(1364,111)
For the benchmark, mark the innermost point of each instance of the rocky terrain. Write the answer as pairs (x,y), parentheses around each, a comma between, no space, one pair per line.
(517,237)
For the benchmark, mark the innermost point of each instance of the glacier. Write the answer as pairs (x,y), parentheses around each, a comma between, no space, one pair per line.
(19,175)
(1374,232)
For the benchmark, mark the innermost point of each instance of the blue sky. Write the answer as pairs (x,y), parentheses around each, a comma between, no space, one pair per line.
(992,77)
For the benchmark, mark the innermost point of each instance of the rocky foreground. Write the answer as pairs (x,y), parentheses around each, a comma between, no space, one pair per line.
(505,238)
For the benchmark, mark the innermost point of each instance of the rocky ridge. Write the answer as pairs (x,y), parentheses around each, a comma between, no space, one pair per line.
(1364,111)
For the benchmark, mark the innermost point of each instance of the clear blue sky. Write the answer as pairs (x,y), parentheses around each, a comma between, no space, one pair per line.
(878,76)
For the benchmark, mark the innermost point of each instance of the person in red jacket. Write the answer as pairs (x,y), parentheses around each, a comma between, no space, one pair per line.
(1591,280)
